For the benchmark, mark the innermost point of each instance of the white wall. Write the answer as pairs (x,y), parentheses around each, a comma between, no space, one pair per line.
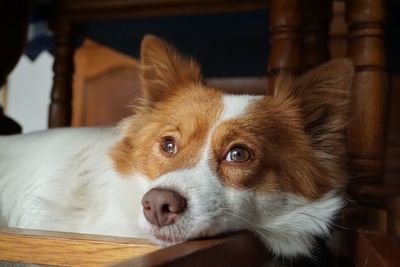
(29,87)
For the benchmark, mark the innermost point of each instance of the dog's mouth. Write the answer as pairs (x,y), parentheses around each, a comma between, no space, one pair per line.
(171,235)
(167,236)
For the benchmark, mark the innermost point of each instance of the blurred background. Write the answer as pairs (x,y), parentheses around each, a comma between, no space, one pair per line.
(227,44)
(231,43)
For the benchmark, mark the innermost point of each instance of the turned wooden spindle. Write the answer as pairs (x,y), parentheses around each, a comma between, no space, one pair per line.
(61,94)
(393,210)
(317,16)
(366,130)
(286,57)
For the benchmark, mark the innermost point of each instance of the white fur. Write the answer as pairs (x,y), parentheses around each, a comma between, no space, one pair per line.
(63,180)
(236,105)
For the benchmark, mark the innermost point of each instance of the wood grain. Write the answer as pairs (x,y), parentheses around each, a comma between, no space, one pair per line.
(286,54)
(236,250)
(367,130)
(376,249)
(68,249)
(317,18)
(393,208)
(103,78)
(61,93)
(239,85)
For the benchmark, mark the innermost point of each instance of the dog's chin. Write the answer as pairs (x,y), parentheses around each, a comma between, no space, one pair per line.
(162,242)
(167,236)
(169,239)
(183,230)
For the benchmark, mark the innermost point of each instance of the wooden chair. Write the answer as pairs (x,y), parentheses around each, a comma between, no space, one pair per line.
(107,78)
(299,40)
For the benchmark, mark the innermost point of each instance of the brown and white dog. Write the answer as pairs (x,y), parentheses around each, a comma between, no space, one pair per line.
(191,162)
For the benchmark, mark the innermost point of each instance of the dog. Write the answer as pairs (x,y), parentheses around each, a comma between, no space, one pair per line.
(191,162)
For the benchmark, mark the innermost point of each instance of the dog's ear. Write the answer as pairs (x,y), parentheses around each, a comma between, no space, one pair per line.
(323,97)
(164,69)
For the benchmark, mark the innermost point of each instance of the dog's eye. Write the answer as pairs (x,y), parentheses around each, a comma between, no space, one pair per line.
(168,145)
(238,154)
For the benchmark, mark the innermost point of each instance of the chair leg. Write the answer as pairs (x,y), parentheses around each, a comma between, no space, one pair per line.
(286,57)
(367,129)
(317,17)
(61,95)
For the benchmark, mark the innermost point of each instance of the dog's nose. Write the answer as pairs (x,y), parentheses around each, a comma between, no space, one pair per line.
(162,206)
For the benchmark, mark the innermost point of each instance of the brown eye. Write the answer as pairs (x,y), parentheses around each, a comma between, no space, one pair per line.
(238,154)
(168,145)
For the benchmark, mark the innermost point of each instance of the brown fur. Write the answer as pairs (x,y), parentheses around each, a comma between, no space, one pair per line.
(188,122)
(163,69)
(297,137)
(176,105)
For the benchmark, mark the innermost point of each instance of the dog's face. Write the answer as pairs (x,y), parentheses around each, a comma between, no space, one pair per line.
(219,162)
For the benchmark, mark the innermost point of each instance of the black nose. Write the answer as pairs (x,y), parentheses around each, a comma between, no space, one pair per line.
(162,206)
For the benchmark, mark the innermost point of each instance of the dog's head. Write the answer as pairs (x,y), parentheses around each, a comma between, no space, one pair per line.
(218,162)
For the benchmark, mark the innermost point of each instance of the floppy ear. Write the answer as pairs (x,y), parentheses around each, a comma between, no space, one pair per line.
(163,68)
(323,97)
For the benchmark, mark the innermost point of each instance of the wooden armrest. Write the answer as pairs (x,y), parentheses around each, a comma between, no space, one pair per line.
(239,249)
(376,249)
(68,249)
(71,249)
